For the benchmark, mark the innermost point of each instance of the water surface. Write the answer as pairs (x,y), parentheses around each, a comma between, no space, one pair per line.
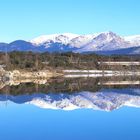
(71,109)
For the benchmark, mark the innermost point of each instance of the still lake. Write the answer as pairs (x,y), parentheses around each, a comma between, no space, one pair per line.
(71,109)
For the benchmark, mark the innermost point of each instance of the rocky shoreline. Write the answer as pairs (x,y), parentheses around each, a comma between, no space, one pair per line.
(23,75)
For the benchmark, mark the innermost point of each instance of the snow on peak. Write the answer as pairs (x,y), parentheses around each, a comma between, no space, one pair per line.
(62,38)
(74,39)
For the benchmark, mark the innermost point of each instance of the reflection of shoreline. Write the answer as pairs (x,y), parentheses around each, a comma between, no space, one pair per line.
(98,73)
(66,85)
(120,83)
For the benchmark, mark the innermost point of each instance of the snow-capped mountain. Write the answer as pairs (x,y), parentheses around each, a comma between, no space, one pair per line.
(106,41)
(99,42)
(106,100)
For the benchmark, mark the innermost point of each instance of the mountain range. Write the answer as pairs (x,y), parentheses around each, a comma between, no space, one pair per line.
(100,43)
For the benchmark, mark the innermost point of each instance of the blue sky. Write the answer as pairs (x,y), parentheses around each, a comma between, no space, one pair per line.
(26,19)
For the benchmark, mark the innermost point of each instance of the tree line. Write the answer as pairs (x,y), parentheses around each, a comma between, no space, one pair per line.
(38,61)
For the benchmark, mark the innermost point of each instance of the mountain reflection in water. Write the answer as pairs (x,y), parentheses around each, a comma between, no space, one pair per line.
(69,94)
